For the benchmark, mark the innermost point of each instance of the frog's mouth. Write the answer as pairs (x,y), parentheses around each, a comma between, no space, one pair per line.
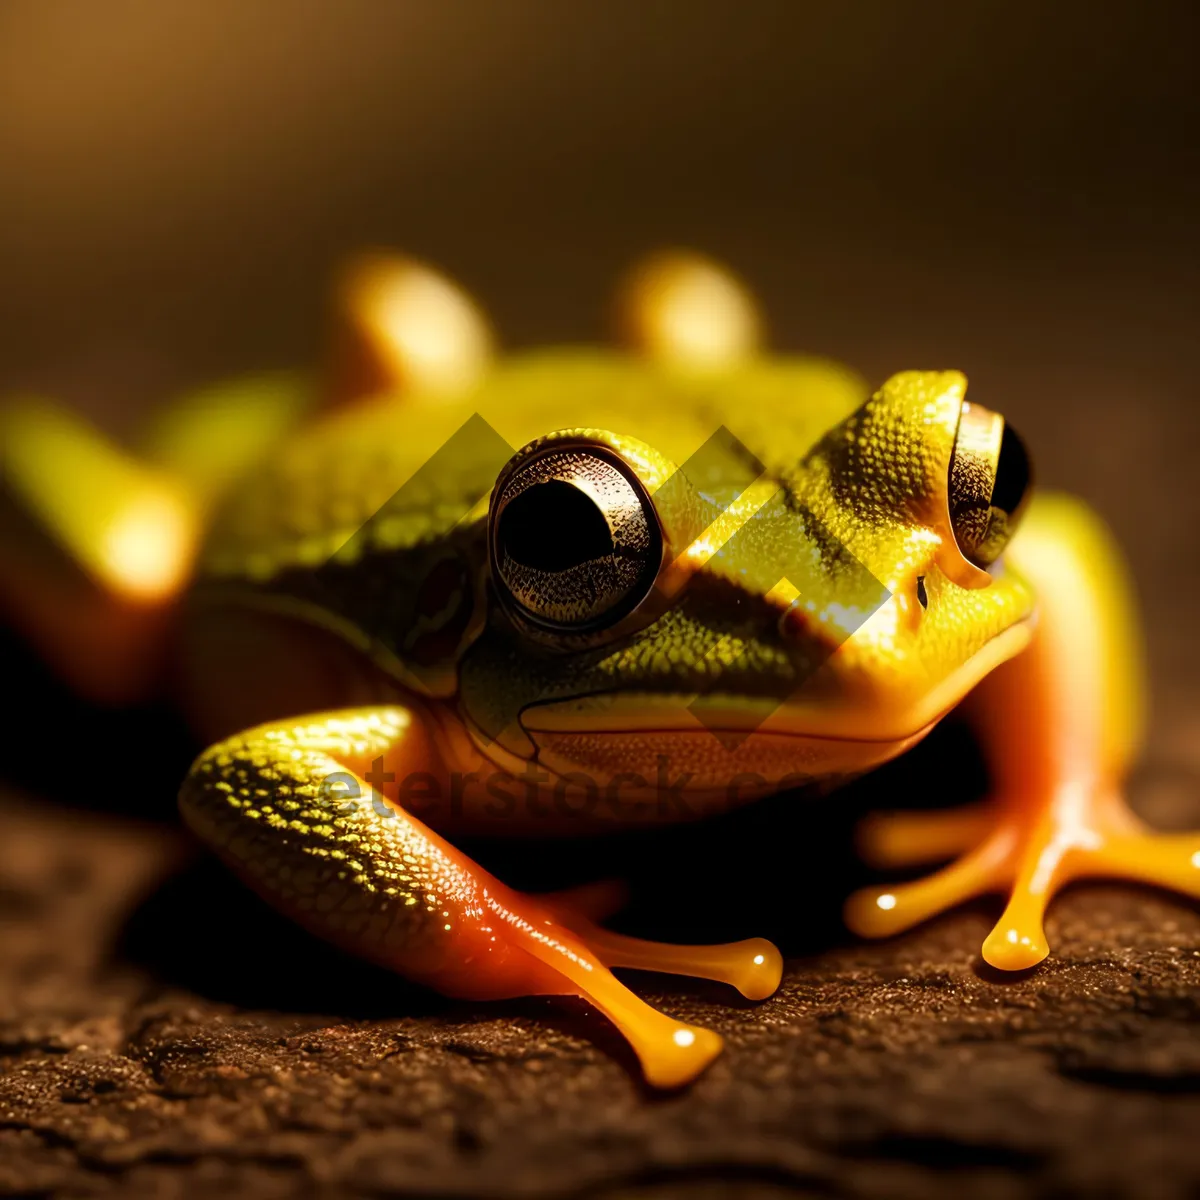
(880,717)
(604,760)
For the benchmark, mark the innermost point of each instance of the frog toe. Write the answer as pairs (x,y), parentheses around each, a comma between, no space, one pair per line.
(679,1059)
(882,911)
(1166,860)
(754,966)
(1016,944)
(906,839)
(1032,852)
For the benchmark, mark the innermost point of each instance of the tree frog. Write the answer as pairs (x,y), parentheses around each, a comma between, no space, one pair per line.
(587,589)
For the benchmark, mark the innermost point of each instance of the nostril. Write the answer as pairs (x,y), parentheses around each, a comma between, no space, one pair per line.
(922,595)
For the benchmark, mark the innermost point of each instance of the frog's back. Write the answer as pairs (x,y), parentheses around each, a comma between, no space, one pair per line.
(416,467)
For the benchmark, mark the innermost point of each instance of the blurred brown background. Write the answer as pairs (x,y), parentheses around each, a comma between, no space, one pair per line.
(1009,188)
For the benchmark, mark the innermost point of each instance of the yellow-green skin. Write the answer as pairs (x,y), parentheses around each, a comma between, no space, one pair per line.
(850,504)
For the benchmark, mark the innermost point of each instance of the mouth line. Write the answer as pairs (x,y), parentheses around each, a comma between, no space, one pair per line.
(796,735)
(665,713)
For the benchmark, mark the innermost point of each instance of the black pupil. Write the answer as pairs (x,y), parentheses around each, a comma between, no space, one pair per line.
(553,526)
(1012,472)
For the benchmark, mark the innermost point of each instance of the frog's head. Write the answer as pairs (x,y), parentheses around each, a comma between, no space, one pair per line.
(795,622)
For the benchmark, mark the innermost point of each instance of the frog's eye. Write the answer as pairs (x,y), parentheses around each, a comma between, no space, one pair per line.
(990,477)
(574,540)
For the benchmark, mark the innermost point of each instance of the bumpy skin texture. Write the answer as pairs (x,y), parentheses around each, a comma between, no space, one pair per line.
(289,808)
(377,885)
(355,499)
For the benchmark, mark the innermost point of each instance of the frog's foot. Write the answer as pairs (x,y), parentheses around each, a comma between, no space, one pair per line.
(98,540)
(291,807)
(97,545)
(671,1053)
(1082,833)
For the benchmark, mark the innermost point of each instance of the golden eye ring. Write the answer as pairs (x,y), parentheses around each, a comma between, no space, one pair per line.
(574,541)
(990,481)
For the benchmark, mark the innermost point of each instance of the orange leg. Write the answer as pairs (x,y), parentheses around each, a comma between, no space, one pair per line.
(308,813)
(1060,725)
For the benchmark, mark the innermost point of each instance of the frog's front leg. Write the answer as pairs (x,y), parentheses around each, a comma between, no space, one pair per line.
(289,808)
(1060,725)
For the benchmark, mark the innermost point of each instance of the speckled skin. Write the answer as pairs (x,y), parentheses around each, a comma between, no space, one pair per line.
(284,823)
(289,821)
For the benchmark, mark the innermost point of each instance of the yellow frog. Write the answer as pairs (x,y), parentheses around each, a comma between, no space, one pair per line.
(591,589)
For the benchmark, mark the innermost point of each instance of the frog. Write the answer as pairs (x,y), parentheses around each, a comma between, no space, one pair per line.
(446,591)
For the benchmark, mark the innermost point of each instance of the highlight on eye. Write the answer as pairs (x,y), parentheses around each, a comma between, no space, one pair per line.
(574,541)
